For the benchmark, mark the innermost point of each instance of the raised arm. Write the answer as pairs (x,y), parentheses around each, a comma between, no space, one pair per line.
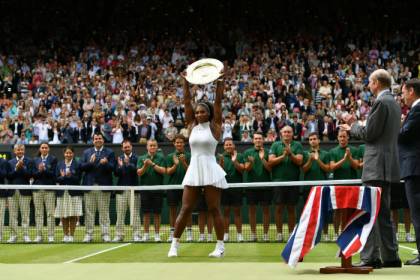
(189,112)
(218,102)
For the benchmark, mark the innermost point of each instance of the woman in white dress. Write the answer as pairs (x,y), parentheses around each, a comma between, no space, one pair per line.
(205,126)
(69,202)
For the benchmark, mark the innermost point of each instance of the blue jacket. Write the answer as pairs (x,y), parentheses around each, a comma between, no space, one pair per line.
(127,173)
(3,175)
(96,173)
(74,179)
(46,177)
(20,177)
(409,144)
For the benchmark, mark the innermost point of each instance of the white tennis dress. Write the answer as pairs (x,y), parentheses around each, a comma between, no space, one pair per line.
(204,169)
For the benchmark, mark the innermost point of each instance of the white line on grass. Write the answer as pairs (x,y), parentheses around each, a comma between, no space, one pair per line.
(413,250)
(97,253)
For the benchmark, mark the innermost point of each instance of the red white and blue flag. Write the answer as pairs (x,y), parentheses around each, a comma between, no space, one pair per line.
(323,199)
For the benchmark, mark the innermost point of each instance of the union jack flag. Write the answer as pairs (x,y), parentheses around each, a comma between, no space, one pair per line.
(322,199)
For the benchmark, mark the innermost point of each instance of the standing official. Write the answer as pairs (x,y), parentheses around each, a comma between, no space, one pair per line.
(177,165)
(286,157)
(233,164)
(97,164)
(150,169)
(69,202)
(344,164)
(316,165)
(409,148)
(20,172)
(126,171)
(258,170)
(3,194)
(380,167)
(44,174)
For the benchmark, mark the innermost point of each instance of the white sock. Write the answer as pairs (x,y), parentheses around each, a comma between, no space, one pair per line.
(220,245)
(175,242)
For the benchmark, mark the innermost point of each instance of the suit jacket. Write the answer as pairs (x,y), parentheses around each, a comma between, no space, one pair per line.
(21,176)
(330,130)
(19,128)
(409,144)
(263,126)
(3,175)
(381,161)
(127,173)
(96,173)
(297,131)
(268,123)
(175,111)
(74,179)
(86,132)
(129,133)
(46,177)
(148,134)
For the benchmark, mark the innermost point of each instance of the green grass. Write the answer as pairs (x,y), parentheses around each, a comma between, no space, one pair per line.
(148,261)
(156,253)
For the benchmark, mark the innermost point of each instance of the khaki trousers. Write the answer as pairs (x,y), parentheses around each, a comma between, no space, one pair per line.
(46,198)
(123,204)
(23,203)
(97,200)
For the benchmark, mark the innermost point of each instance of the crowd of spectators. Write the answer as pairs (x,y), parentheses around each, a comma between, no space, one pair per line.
(135,92)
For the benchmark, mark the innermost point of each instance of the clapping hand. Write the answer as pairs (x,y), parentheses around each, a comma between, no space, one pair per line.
(347,155)
(234,155)
(147,162)
(92,158)
(19,164)
(126,160)
(344,127)
(120,162)
(182,158)
(175,159)
(41,167)
(287,149)
(349,119)
(221,160)
(103,161)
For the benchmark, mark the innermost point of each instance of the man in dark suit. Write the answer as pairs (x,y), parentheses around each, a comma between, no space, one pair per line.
(380,168)
(271,121)
(178,114)
(144,131)
(409,149)
(97,164)
(86,131)
(297,129)
(44,174)
(16,127)
(126,171)
(129,131)
(326,129)
(3,195)
(20,171)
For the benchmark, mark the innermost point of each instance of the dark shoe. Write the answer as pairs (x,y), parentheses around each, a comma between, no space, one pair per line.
(396,263)
(415,261)
(376,264)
